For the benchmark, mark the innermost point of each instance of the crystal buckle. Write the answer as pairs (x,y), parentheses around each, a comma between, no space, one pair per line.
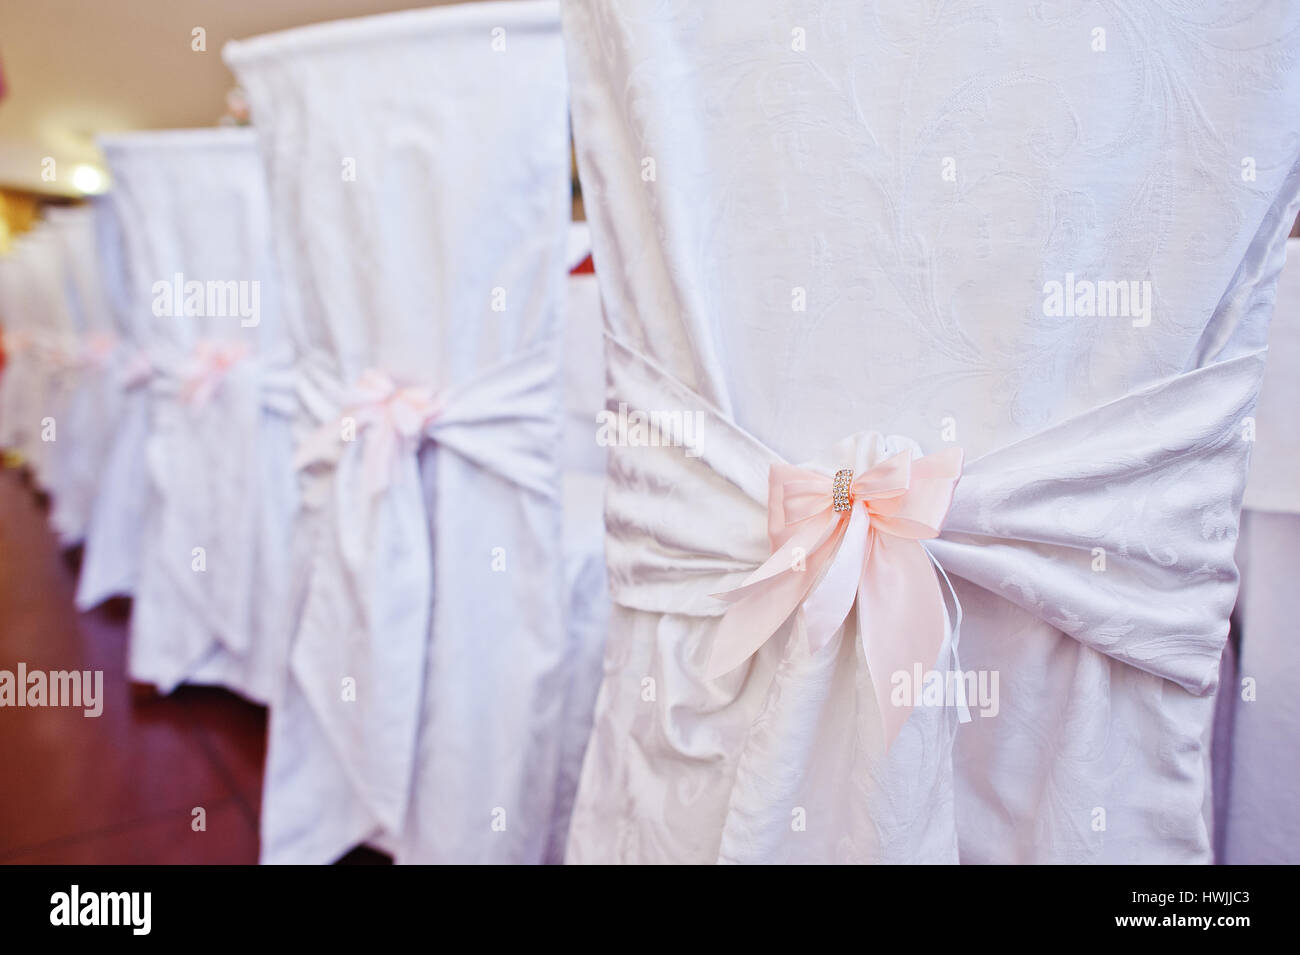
(842,489)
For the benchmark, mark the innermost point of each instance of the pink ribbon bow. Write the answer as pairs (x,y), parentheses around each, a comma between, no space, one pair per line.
(58,354)
(869,548)
(211,362)
(394,417)
(15,342)
(96,349)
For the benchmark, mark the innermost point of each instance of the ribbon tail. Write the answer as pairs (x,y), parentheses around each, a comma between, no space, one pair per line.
(753,619)
(321,445)
(766,600)
(902,622)
(828,606)
(366,615)
(953,606)
(377,462)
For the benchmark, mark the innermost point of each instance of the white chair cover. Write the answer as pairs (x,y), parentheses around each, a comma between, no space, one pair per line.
(587,611)
(91,411)
(418,167)
(211,601)
(810,223)
(1260,819)
(110,561)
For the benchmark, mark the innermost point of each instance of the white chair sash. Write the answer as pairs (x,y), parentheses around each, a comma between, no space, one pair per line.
(368,605)
(1026,522)
(202,449)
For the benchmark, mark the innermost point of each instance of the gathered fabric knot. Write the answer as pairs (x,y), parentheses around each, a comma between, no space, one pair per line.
(135,370)
(16,342)
(61,356)
(393,418)
(845,538)
(208,367)
(96,349)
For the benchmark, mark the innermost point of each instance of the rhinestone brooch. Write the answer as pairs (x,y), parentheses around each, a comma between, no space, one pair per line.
(842,489)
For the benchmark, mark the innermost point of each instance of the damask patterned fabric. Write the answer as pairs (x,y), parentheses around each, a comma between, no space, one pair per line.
(891,218)
(212,588)
(418,165)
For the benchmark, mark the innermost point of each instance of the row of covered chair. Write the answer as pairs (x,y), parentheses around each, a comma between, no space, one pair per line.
(340,417)
(341,469)
(59,338)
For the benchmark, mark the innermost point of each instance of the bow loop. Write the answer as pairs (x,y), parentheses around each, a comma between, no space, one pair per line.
(793,495)
(919,510)
(891,478)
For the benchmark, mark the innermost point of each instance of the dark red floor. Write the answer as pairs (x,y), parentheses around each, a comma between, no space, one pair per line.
(122,787)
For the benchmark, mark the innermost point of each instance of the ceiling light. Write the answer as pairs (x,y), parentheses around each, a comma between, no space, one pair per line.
(88,179)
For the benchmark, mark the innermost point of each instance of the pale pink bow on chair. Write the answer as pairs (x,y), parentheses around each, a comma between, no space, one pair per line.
(837,539)
(16,342)
(394,418)
(95,350)
(209,366)
(60,355)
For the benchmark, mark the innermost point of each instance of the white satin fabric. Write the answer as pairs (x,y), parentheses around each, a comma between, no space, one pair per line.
(211,601)
(418,165)
(1261,819)
(780,251)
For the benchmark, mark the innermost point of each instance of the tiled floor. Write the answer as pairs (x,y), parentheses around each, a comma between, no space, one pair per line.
(121,787)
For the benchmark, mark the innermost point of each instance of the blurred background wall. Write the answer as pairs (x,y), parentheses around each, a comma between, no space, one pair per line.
(73,69)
